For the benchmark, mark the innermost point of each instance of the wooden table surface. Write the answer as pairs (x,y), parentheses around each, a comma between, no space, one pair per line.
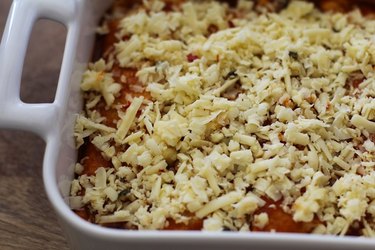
(27,220)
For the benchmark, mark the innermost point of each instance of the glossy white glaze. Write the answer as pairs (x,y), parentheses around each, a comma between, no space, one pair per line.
(55,122)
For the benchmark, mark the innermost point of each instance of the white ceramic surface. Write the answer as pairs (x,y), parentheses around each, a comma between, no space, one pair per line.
(55,121)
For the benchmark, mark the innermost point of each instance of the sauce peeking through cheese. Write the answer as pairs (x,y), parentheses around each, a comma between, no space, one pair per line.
(279,220)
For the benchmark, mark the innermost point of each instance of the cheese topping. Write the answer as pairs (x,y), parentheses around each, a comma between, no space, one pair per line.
(245,104)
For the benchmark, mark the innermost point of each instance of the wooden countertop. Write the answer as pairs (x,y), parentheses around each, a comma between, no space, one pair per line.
(27,220)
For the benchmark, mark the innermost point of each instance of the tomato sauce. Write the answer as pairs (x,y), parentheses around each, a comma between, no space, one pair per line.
(93,159)
(281,221)
(194,224)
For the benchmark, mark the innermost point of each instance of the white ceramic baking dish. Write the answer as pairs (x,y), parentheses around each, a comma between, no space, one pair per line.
(54,122)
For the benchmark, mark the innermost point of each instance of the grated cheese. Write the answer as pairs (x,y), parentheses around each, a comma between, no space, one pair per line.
(218,203)
(128,118)
(233,107)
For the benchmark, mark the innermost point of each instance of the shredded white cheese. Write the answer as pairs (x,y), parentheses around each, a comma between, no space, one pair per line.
(242,105)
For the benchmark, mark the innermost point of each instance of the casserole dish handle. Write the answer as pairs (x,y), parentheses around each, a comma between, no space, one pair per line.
(14,113)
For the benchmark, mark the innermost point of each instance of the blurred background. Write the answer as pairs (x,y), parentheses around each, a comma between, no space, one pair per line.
(27,220)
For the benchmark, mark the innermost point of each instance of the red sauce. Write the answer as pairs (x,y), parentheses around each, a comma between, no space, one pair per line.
(127,78)
(93,159)
(355,79)
(194,224)
(281,221)
(191,57)
(83,213)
